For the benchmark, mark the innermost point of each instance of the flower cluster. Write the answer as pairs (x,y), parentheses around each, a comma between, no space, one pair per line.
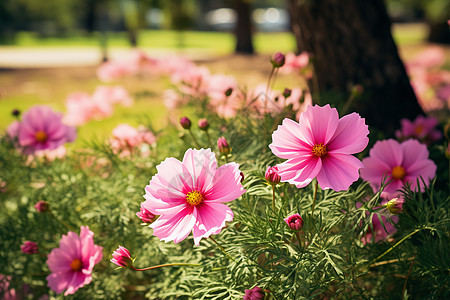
(126,140)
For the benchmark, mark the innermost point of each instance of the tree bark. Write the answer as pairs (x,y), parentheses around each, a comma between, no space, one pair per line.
(243,31)
(351,43)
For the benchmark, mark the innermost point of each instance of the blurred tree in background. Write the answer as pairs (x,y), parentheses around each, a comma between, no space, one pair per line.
(351,43)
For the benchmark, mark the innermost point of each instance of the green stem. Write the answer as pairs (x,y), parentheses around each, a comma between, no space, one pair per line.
(267,87)
(195,139)
(165,265)
(273,198)
(209,138)
(395,246)
(348,103)
(314,198)
(299,239)
(61,221)
(221,248)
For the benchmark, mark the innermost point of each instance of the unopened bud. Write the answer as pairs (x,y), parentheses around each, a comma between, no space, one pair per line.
(185,122)
(228,92)
(278,60)
(395,206)
(29,247)
(122,257)
(287,93)
(41,206)
(295,222)
(223,146)
(272,176)
(203,124)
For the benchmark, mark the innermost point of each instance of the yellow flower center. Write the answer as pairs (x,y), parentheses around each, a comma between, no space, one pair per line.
(194,198)
(319,150)
(398,172)
(40,136)
(76,264)
(419,129)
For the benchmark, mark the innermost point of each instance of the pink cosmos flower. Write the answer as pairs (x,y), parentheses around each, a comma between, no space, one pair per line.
(272,176)
(5,291)
(255,293)
(320,145)
(72,263)
(113,70)
(42,129)
(82,108)
(401,163)
(422,128)
(145,215)
(189,195)
(295,63)
(122,257)
(113,95)
(126,138)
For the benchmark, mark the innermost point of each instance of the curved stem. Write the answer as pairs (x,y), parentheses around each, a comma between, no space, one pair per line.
(165,265)
(267,88)
(209,138)
(194,138)
(314,198)
(221,248)
(395,246)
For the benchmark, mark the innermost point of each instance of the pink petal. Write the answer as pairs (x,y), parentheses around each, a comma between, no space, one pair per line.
(413,151)
(201,165)
(71,244)
(423,168)
(350,136)
(388,151)
(87,243)
(176,228)
(289,139)
(58,282)
(226,185)
(211,220)
(321,122)
(300,171)
(374,170)
(339,171)
(59,261)
(394,187)
(78,281)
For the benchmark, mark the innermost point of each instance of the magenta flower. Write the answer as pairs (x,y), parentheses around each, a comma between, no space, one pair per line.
(189,195)
(255,293)
(295,222)
(122,257)
(42,129)
(272,176)
(29,247)
(185,122)
(145,215)
(401,163)
(203,124)
(320,145)
(278,60)
(422,128)
(72,263)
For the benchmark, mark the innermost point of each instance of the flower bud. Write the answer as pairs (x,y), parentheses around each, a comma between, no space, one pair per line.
(145,215)
(203,124)
(29,247)
(278,60)
(242,177)
(255,293)
(295,222)
(287,93)
(228,92)
(185,122)
(15,113)
(122,257)
(41,206)
(395,206)
(357,90)
(272,176)
(223,146)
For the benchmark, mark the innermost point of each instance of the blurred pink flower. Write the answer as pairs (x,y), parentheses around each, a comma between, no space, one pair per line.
(41,206)
(174,64)
(13,130)
(192,81)
(401,163)
(113,70)
(82,108)
(72,263)
(255,293)
(295,63)
(431,57)
(422,128)
(141,62)
(126,138)
(42,129)
(122,257)
(217,87)
(29,247)
(5,291)
(113,95)
(173,100)
(189,196)
(320,145)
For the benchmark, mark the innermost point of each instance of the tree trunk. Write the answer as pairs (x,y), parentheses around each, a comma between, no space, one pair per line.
(351,43)
(243,29)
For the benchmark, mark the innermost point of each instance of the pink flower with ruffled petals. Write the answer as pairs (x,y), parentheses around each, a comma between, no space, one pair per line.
(399,163)
(189,195)
(72,263)
(422,128)
(295,63)
(320,145)
(42,129)
(122,257)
